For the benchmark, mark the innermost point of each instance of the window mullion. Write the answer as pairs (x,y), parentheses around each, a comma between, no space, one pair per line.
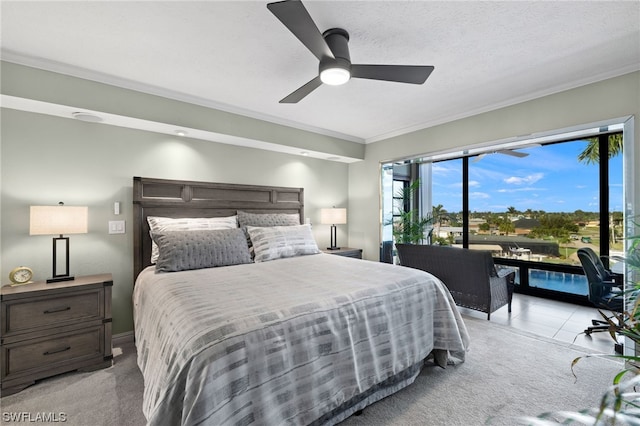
(603,154)
(465,202)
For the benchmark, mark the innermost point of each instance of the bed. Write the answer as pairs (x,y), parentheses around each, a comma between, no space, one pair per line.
(291,337)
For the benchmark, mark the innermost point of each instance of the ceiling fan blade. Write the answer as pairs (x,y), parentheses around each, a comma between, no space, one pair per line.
(529,145)
(479,157)
(295,17)
(303,91)
(510,152)
(513,153)
(414,74)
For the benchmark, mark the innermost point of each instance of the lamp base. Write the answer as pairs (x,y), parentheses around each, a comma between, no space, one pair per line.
(60,279)
(334,239)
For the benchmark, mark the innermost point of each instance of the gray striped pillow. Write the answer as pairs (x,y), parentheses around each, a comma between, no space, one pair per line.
(276,242)
(163,224)
(185,250)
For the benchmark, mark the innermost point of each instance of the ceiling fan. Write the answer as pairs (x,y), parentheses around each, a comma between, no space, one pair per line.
(332,50)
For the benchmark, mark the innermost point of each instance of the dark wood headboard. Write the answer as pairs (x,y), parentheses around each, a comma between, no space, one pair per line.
(177,198)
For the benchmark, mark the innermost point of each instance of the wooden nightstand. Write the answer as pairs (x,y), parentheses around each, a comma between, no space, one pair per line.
(49,329)
(346,252)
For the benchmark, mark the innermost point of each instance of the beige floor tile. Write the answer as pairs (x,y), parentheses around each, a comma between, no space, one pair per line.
(550,318)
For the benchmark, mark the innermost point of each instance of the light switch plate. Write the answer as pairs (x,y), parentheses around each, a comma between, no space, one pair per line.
(116,227)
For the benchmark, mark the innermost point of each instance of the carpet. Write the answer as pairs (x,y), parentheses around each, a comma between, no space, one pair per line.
(508,374)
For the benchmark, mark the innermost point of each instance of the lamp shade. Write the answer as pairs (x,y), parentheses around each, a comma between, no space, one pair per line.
(58,220)
(333,216)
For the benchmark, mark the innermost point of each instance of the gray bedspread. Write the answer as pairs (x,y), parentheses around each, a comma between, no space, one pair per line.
(285,342)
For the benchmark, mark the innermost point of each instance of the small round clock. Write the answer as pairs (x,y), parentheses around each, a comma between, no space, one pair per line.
(21,275)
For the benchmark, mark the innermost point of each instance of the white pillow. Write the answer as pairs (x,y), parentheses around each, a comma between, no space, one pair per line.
(163,224)
(275,242)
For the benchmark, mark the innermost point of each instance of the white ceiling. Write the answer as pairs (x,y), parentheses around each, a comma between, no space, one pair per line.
(237,56)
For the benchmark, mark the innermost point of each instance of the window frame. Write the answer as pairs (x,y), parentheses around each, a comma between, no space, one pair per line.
(525,266)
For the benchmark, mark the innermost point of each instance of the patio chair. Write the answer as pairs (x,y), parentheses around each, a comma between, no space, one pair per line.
(604,292)
(470,275)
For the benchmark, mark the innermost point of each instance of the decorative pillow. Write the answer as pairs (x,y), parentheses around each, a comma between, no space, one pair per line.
(275,242)
(162,224)
(267,219)
(184,250)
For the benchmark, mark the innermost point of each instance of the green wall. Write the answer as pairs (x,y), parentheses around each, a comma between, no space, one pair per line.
(47,159)
(606,100)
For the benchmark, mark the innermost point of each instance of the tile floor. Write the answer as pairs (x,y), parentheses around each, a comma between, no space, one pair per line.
(550,318)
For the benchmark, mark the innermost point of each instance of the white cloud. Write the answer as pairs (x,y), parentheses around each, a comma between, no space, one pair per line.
(478,195)
(512,190)
(515,180)
(439,169)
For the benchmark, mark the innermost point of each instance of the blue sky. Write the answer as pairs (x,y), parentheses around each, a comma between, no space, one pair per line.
(550,178)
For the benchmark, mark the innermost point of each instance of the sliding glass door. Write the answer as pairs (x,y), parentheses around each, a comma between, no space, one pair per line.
(532,207)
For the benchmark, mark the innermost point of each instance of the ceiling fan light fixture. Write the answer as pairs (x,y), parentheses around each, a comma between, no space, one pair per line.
(335,72)
(335,76)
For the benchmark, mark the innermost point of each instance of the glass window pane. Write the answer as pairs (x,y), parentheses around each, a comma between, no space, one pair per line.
(559,281)
(535,206)
(616,197)
(446,198)
(398,186)
(539,203)
(387,202)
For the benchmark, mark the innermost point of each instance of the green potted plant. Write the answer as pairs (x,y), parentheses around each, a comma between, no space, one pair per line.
(409,227)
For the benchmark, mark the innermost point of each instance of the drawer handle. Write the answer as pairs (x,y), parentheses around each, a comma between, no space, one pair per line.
(57,351)
(53,311)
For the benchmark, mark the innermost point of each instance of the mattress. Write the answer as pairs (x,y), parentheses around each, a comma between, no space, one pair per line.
(303,340)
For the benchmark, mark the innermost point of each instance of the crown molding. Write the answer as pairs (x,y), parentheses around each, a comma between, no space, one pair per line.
(514,101)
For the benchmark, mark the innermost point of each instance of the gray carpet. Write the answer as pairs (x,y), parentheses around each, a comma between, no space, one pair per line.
(508,374)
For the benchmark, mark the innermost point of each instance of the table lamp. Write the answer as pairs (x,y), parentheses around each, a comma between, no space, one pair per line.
(58,220)
(333,216)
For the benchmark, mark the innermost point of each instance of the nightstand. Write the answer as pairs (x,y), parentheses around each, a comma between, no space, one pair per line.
(346,252)
(48,329)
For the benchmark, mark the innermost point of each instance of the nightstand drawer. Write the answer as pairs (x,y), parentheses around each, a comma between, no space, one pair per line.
(52,328)
(53,311)
(29,356)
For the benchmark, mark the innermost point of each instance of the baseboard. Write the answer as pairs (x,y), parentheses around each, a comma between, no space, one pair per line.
(122,338)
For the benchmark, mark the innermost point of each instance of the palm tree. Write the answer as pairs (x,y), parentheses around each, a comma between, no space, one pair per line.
(437,213)
(506,226)
(591,154)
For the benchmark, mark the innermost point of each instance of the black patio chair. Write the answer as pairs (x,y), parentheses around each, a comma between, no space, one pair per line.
(604,292)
